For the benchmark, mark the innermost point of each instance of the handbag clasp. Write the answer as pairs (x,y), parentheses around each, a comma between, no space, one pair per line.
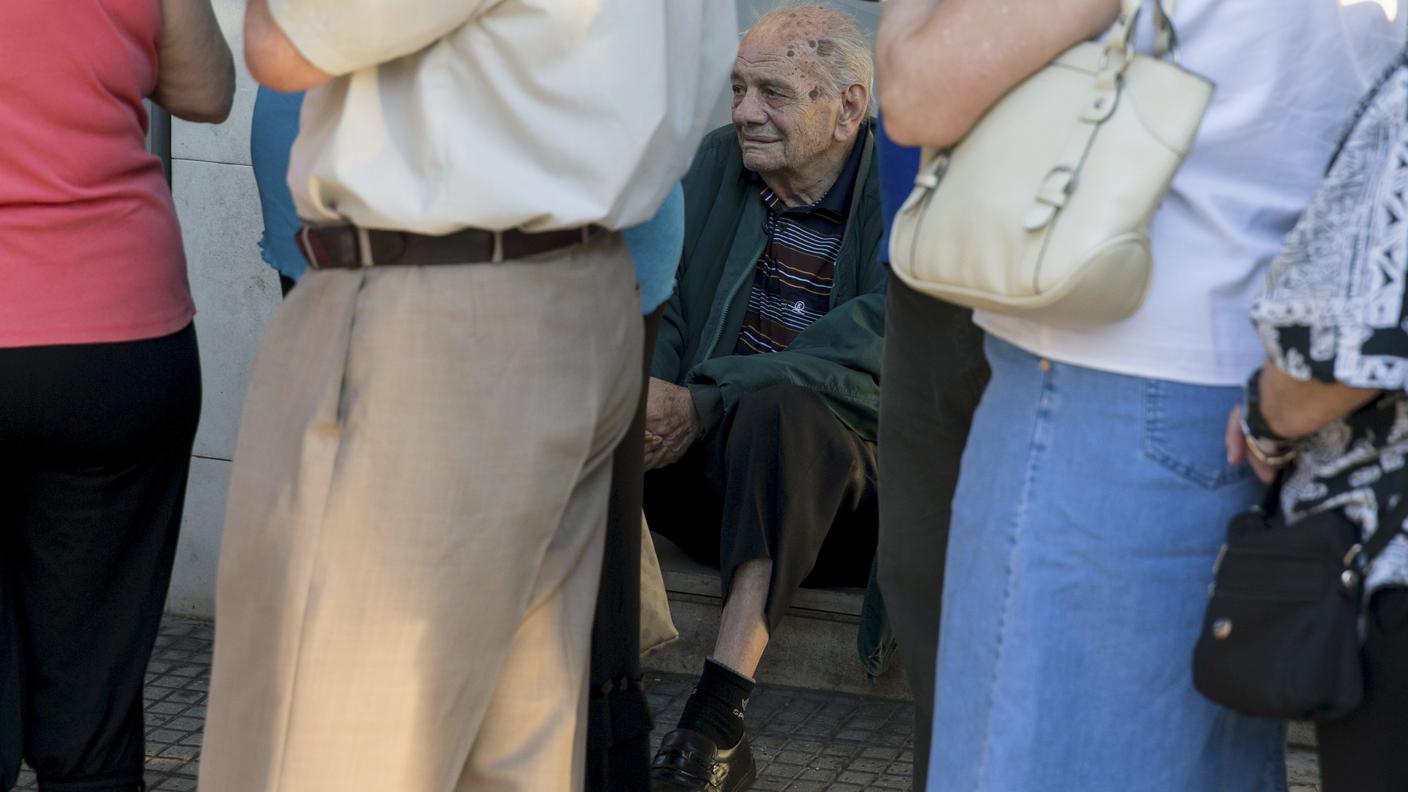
(1353,555)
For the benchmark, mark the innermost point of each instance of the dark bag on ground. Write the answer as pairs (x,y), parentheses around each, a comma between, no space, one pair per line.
(1281,635)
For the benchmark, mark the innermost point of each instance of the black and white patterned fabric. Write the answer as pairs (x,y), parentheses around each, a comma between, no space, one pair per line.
(1334,311)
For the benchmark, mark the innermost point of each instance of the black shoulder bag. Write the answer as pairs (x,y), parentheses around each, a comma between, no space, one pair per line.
(1281,634)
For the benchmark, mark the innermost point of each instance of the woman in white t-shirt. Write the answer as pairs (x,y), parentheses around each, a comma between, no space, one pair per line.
(1095,490)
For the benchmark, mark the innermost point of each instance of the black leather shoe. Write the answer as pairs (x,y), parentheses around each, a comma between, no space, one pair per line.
(690,762)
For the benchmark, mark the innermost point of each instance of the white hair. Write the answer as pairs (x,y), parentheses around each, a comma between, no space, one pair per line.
(842,46)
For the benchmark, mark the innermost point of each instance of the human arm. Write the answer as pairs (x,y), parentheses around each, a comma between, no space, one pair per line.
(671,422)
(272,58)
(1289,410)
(667,361)
(940,64)
(1294,408)
(839,357)
(296,45)
(195,77)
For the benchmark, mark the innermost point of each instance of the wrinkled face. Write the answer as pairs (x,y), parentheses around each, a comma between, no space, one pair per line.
(782,110)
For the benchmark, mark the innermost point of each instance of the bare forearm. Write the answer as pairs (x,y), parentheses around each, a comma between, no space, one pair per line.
(898,19)
(271,56)
(941,65)
(1296,408)
(195,70)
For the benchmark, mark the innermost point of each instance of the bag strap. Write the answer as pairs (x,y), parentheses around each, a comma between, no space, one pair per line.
(1060,182)
(1390,528)
(1121,41)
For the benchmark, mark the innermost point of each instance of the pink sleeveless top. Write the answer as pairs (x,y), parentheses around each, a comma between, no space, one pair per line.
(90,250)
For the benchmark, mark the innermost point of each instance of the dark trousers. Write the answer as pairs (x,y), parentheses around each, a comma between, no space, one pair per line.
(781,478)
(95,444)
(1367,750)
(618,722)
(934,375)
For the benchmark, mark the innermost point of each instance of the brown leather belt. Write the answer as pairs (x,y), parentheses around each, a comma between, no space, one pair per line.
(352,247)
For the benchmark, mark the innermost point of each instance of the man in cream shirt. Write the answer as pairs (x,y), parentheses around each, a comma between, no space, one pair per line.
(417,503)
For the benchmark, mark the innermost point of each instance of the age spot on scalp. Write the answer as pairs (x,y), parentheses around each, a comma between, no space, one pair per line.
(815,93)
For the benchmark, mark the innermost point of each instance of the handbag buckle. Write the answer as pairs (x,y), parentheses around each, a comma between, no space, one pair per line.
(1353,555)
(1055,190)
(1057,187)
(930,176)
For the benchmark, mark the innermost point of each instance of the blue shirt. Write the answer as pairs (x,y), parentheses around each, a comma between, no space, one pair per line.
(271,136)
(898,167)
(656,246)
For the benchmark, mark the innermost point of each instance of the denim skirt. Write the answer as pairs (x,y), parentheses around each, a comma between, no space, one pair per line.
(1090,509)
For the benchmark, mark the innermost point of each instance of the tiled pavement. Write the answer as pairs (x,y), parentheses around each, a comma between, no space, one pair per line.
(805,741)
(810,741)
(177,680)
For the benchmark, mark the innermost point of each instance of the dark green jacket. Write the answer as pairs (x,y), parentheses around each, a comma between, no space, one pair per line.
(838,356)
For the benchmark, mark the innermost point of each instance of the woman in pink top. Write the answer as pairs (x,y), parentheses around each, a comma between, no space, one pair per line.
(99,374)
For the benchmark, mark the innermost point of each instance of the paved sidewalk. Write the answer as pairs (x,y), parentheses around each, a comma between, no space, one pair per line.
(805,741)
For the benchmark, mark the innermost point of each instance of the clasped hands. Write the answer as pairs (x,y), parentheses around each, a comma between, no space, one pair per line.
(671,423)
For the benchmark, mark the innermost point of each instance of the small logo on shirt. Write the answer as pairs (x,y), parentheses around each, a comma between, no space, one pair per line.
(799,307)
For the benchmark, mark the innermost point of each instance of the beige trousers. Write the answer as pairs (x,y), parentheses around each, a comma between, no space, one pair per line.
(414,534)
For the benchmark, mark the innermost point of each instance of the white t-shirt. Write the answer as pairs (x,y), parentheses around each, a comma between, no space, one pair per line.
(1289,74)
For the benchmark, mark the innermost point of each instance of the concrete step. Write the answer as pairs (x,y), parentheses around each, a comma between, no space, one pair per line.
(814,648)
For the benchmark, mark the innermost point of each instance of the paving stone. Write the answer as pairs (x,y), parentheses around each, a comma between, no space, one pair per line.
(782,770)
(803,740)
(904,769)
(870,765)
(165,708)
(886,754)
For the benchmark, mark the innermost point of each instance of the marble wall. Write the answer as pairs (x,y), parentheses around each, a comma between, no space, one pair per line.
(235,295)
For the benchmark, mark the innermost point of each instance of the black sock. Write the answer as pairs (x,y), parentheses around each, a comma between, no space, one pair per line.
(715,708)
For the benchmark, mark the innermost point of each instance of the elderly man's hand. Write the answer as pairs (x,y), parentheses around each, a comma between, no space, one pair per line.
(671,423)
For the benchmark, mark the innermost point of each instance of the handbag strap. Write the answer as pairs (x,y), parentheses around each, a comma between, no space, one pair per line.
(1121,41)
(1060,182)
(1390,528)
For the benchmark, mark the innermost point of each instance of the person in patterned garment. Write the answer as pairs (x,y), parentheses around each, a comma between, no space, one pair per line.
(763,401)
(1331,407)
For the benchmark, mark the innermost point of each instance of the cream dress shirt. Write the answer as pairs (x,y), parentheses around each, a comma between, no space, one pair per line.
(498,114)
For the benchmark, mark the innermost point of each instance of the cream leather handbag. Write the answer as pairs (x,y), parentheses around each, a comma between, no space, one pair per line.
(1043,209)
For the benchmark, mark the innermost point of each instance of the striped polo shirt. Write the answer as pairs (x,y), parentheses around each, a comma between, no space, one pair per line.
(792,282)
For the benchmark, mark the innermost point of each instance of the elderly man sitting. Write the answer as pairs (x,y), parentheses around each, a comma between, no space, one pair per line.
(763,403)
